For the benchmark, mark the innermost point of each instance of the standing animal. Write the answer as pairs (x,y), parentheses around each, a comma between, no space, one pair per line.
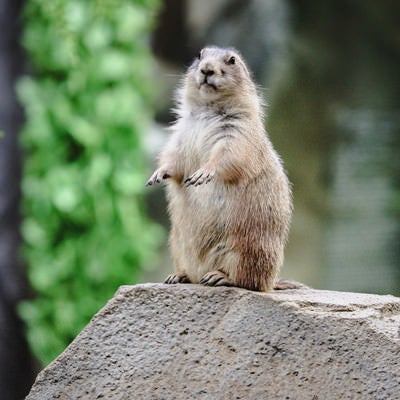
(229,198)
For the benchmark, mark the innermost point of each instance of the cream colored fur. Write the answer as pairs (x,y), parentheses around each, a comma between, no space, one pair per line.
(229,198)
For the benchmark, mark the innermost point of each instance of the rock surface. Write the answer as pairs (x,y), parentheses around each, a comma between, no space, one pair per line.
(166,342)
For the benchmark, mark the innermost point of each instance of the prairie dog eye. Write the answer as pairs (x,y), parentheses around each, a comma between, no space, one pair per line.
(231,60)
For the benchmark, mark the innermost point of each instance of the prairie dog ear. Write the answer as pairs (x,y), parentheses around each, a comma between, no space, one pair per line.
(246,70)
(200,54)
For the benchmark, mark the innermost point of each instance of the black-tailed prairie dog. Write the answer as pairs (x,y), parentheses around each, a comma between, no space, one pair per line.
(229,198)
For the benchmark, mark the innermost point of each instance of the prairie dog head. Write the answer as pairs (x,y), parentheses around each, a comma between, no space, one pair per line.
(217,74)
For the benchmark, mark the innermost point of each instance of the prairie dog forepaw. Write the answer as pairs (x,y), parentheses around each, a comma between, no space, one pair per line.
(159,175)
(202,175)
(215,278)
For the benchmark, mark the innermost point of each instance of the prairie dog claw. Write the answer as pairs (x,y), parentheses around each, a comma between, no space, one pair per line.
(159,175)
(199,177)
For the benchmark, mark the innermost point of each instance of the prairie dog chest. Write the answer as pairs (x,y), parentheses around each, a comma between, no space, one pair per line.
(196,138)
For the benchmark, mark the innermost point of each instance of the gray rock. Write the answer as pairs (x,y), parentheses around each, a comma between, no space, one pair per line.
(157,341)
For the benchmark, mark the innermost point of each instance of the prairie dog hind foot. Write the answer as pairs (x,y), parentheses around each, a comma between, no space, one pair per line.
(177,278)
(216,278)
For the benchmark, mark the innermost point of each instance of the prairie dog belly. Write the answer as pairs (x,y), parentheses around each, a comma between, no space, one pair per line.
(199,236)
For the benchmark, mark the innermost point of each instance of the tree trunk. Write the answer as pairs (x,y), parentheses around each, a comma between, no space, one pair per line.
(16,363)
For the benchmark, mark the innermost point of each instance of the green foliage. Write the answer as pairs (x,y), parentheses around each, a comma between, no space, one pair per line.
(87,106)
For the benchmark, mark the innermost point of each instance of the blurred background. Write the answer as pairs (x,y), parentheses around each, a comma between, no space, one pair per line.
(86,89)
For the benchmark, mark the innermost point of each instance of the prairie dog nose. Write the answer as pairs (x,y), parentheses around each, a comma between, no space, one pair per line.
(207,69)
(207,72)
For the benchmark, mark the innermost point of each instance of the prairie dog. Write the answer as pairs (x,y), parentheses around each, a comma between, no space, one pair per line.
(229,198)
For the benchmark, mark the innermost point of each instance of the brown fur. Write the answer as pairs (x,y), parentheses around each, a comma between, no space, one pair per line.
(229,198)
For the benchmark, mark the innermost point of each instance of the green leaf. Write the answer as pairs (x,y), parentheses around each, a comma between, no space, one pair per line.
(87,104)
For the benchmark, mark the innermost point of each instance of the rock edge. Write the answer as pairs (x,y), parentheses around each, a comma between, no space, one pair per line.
(155,341)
